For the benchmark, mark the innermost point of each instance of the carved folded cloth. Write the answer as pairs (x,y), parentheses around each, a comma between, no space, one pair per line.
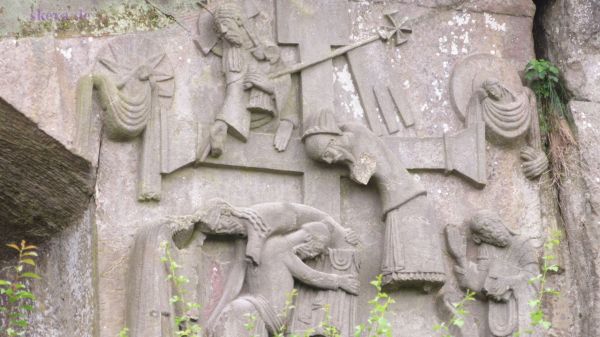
(124,116)
(507,119)
(273,322)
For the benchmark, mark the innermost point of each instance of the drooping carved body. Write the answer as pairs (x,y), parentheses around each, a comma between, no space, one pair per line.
(266,267)
(269,228)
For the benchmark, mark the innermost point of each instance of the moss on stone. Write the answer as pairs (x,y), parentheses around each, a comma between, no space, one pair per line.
(117,19)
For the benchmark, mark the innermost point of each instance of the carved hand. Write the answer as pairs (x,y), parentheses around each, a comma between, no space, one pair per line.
(535,162)
(351,237)
(283,135)
(349,284)
(461,277)
(258,80)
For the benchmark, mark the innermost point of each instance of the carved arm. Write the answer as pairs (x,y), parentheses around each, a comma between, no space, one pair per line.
(315,278)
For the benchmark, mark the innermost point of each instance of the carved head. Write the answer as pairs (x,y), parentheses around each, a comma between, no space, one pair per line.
(317,240)
(219,217)
(229,23)
(493,88)
(486,226)
(323,140)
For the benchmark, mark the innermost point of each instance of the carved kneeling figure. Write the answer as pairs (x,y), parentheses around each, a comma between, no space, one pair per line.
(505,264)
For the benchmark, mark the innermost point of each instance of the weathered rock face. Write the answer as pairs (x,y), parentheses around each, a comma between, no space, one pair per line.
(569,34)
(208,143)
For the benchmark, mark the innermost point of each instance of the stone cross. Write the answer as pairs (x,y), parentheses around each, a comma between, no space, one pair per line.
(321,184)
(314,26)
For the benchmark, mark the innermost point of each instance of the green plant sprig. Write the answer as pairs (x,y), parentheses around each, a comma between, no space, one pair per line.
(17,293)
(377,324)
(537,315)
(185,324)
(458,316)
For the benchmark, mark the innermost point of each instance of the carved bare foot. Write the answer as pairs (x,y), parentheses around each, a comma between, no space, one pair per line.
(218,132)
(535,162)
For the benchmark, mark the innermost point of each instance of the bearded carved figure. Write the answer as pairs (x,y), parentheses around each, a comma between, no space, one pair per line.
(411,249)
(500,274)
(273,244)
(486,90)
(252,98)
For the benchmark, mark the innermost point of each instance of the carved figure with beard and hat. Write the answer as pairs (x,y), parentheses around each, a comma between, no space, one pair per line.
(411,250)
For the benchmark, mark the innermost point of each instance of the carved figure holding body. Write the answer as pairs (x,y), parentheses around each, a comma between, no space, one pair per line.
(411,250)
(269,283)
(268,235)
(252,99)
(505,264)
(261,224)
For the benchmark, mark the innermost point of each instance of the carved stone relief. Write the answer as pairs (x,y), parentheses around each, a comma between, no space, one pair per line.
(411,254)
(252,98)
(279,238)
(281,246)
(134,81)
(487,90)
(504,264)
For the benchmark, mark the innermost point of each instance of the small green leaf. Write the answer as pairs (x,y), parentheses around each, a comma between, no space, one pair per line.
(14,246)
(31,275)
(29,262)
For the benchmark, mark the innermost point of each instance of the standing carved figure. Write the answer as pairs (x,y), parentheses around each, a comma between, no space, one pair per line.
(505,264)
(411,250)
(507,116)
(252,99)
(486,90)
(135,85)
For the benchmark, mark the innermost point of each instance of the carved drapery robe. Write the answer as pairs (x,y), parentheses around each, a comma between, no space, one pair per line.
(311,303)
(411,249)
(507,117)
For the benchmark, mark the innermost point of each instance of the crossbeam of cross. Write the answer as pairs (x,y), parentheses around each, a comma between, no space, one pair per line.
(321,183)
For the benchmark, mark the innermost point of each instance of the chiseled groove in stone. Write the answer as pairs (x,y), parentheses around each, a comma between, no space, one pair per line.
(43,186)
